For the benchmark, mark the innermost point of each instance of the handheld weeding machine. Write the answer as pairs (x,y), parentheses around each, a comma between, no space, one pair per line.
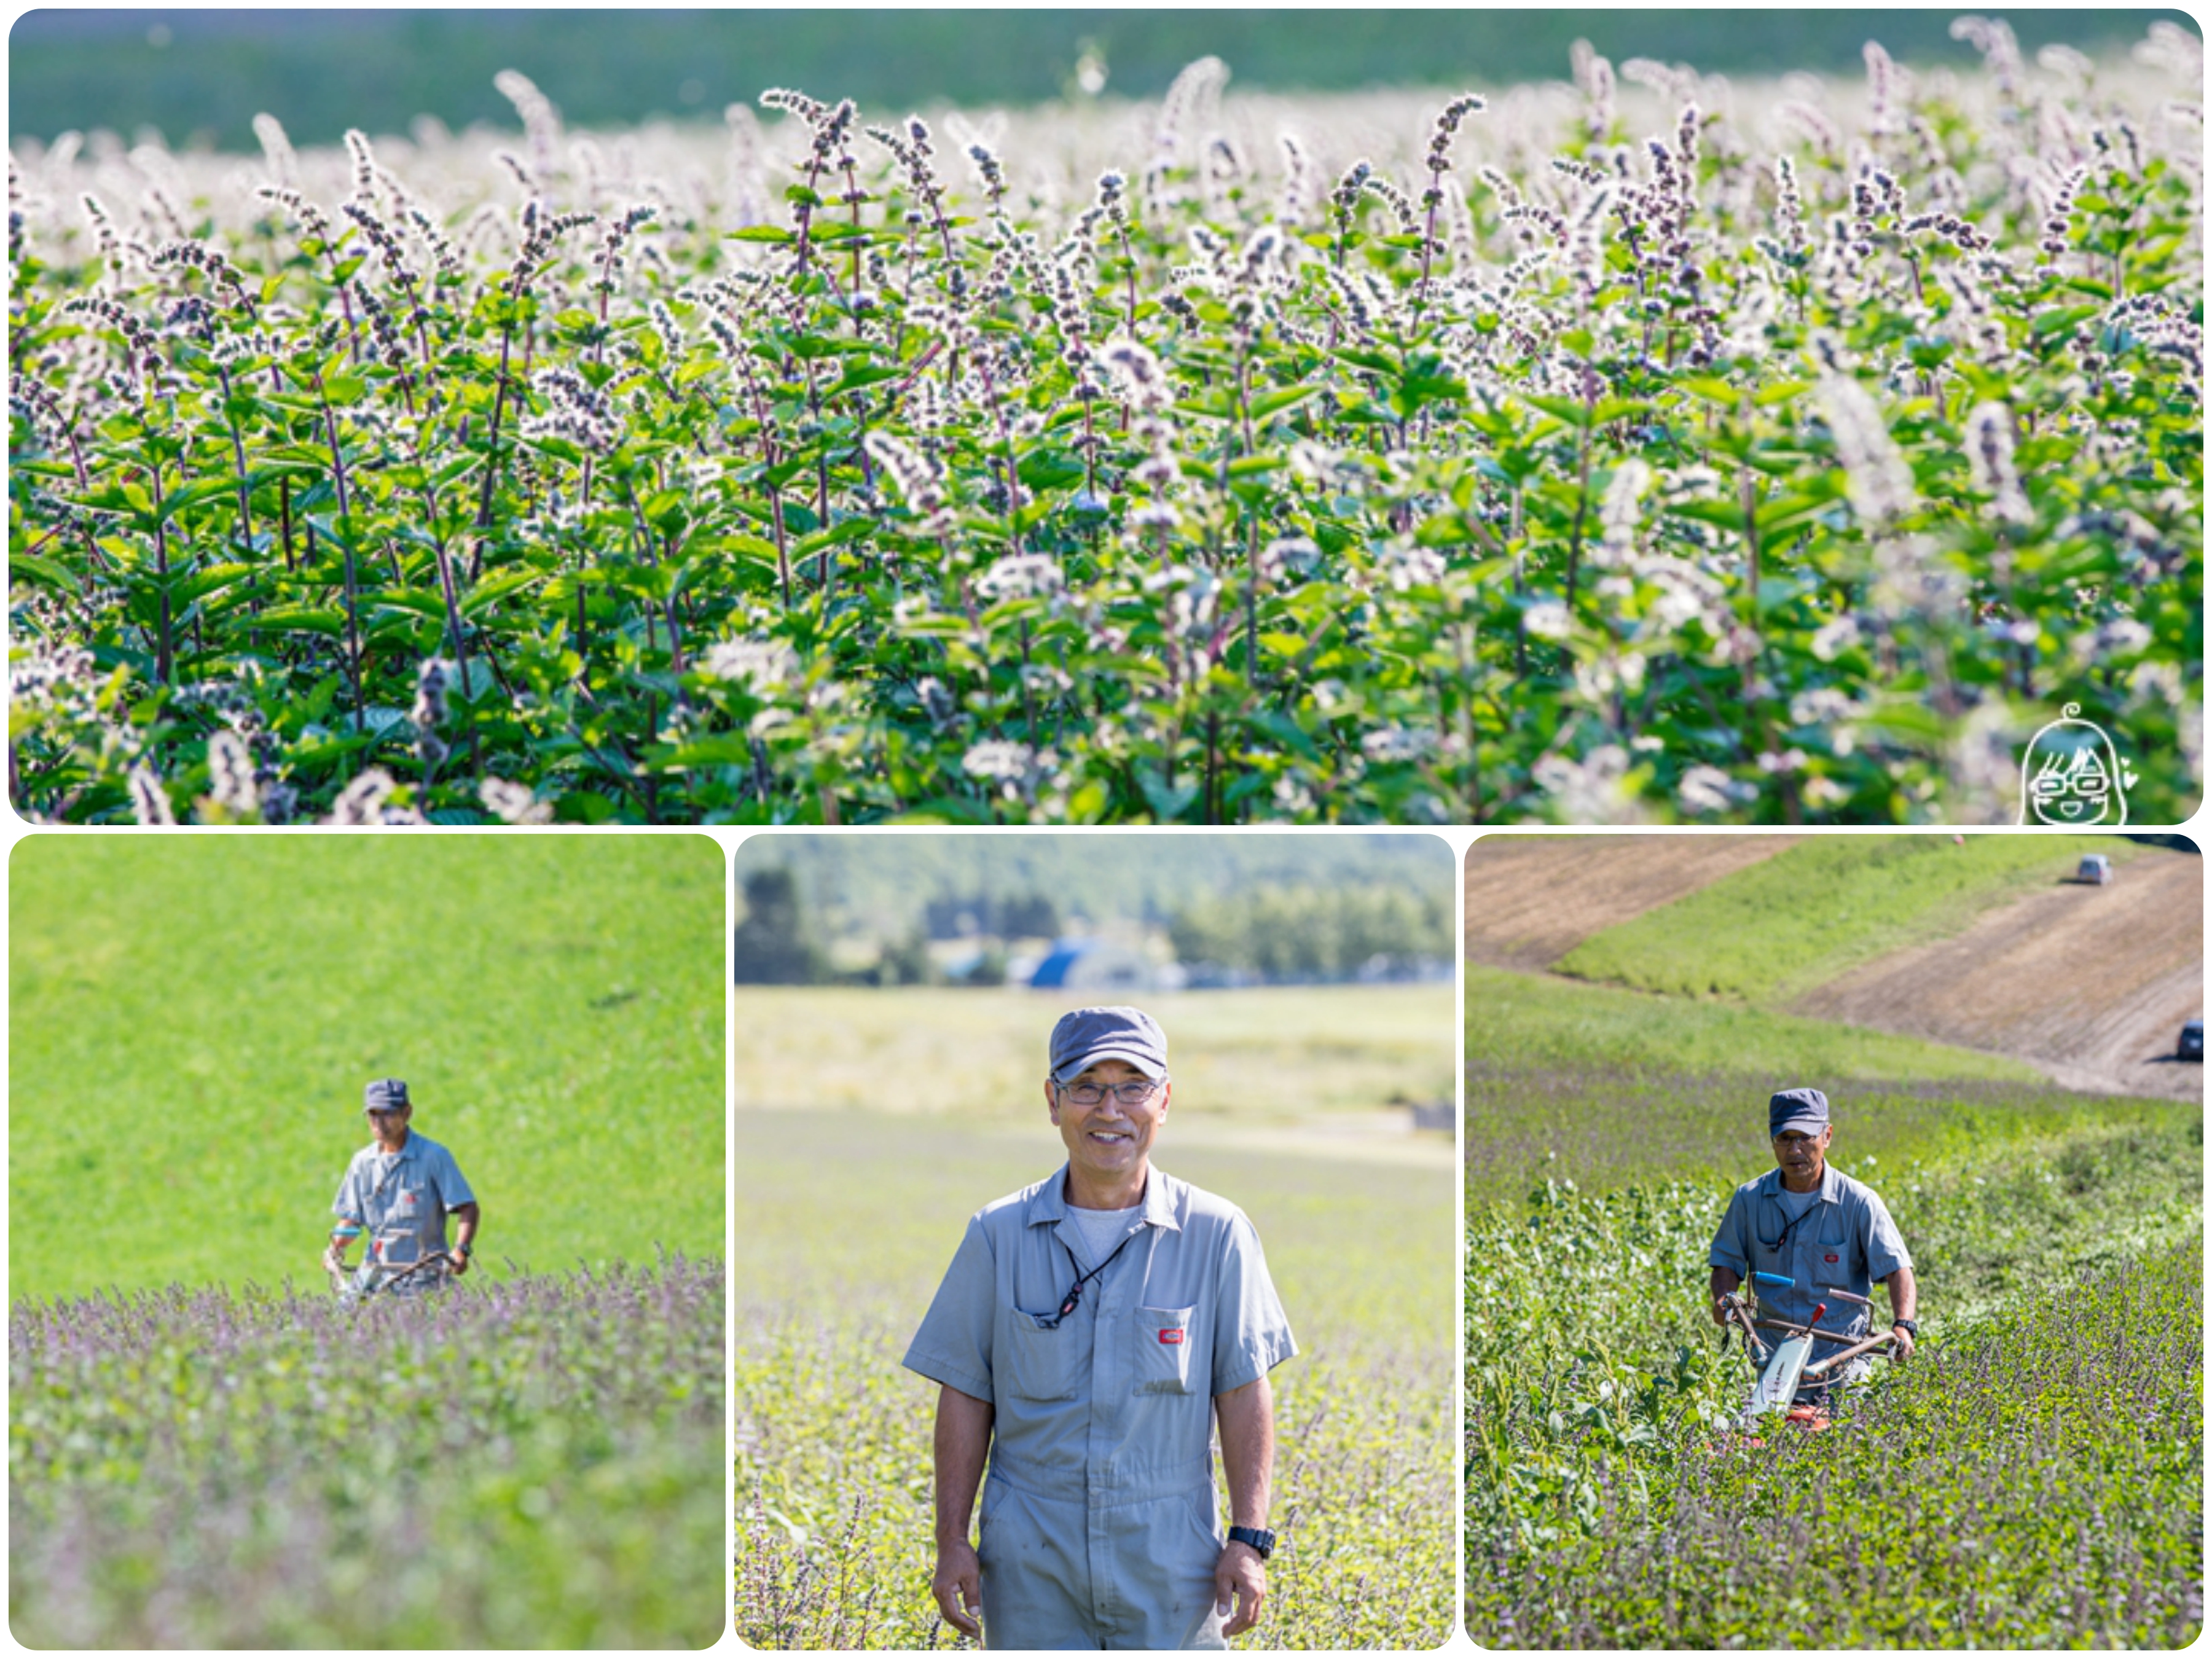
(1784,1366)
(375,1276)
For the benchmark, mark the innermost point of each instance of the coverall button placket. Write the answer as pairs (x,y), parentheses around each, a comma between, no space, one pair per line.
(1109,1386)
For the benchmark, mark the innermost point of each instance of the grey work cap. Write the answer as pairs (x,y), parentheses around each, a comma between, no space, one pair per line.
(386,1094)
(1797,1108)
(1086,1035)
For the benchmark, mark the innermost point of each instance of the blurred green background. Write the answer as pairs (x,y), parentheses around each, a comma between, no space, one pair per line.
(198,77)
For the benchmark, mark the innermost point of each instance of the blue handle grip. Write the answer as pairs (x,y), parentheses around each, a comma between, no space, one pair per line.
(1772,1279)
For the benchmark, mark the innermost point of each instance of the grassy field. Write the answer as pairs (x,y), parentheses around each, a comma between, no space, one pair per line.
(1777,928)
(2033,1477)
(847,1221)
(192,1021)
(1273,1053)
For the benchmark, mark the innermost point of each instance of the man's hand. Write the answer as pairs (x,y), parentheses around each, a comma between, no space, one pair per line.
(1903,1303)
(958,1584)
(1725,1284)
(456,1263)
(1240,1579)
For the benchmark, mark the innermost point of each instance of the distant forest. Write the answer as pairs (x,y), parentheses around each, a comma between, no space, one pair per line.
(884,885)
(198,77)
(1278,905)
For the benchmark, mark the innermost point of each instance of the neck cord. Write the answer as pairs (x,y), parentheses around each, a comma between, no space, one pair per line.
(1789,1222)
(1075,1291)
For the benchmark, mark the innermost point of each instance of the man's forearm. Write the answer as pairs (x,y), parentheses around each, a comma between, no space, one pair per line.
(1247,1416)
(963,1440)
(467,1218)
(1904,1295)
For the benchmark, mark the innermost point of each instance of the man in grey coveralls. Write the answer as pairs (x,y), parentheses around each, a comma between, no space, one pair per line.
(398,1189)
(1817,1227)
(1090,1330)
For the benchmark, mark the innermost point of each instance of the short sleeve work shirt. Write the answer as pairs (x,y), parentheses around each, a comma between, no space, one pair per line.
(1845,1241)
(402,1201)
(1115,1399)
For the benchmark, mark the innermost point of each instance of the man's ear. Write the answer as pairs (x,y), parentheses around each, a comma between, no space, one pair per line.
(1052,1101)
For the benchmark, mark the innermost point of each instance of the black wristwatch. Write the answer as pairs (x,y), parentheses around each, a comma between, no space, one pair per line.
(1259,1538)
(1909,1327)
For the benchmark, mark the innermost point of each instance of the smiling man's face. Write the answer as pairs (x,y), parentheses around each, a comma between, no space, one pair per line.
(1111,1140)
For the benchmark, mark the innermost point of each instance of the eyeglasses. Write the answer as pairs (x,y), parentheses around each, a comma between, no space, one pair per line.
(1133,1093)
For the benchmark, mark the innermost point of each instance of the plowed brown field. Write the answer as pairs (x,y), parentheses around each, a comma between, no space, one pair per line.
(1531,899)
(2091,984)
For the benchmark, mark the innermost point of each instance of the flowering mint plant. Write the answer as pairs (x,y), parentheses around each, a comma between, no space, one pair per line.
(1728,456)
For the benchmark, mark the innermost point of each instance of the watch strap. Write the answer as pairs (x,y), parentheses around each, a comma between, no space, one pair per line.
(1909,1327)
(1258,1538)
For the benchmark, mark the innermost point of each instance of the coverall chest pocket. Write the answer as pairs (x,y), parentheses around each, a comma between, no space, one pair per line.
(1163,1346)
(1829,1264)
(1770,1255)
(1039,1363)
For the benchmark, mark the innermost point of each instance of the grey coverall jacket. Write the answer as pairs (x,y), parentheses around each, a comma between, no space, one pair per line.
(1098,1526)
(402,1201)
(1845,1239)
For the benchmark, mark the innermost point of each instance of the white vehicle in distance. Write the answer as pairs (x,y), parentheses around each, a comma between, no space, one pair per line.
(2095,868)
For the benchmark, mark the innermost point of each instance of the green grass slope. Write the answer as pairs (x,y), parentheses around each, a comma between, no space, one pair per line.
(1522,1019)
(1779,927)
(192,1019)
(1607,1088)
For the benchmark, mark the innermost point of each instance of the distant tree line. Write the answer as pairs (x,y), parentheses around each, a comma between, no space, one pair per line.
(772,944)
(1270,932)
(1282,932)
(849,885)
(775,943)
(1020,915)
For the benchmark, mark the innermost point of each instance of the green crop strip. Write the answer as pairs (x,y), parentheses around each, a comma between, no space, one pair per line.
(1792,457)
(1815,910)
(1527,1020)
